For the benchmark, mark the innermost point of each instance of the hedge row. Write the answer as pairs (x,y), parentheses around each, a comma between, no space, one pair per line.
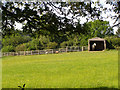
(34,44)
(26,43)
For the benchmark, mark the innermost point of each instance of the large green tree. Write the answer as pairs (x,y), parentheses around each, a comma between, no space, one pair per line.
(99,28)
(54,18)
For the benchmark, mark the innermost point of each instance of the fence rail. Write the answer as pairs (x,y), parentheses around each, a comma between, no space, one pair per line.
(48,51)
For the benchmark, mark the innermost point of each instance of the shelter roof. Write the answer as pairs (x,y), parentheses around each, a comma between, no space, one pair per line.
(96,39)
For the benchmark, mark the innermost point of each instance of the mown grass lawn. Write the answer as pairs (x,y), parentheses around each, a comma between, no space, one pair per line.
(67,70)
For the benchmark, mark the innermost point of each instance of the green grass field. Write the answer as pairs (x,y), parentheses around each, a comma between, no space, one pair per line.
(67,70)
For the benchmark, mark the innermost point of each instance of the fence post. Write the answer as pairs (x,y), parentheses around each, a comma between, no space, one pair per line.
(52,51)
(31,52)
(66,49)
(24,52)
(83,48)
(78,49)
(59,49)
(27,52)
(19,53)
(75,49)
(45,51)
(38,52)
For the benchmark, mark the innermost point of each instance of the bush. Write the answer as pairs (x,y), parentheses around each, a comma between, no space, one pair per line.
(52,45)
(83,42)
(67,43)
(63,44)
(70,42)
(35,44)
(22,47)
(113,42)
(8,49)
(44,40)
(15,40)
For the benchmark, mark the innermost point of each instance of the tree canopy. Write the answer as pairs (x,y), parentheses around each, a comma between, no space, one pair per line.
(99,28)
(51,18)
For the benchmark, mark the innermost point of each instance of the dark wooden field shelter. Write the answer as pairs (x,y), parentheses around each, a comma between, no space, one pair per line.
(96,44)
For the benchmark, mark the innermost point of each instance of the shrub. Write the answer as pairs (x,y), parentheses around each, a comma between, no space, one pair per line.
(83,42)
(70,42)
(44,40)
(35,44)
(15,40)
(67,43)
(52,45)
(22,47)
(113,42)
(63,44)
(8,48)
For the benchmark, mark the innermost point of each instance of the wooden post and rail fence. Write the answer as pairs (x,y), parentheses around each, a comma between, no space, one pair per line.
(47,51)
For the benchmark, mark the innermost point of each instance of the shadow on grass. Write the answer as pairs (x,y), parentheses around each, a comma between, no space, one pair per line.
(97,88)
